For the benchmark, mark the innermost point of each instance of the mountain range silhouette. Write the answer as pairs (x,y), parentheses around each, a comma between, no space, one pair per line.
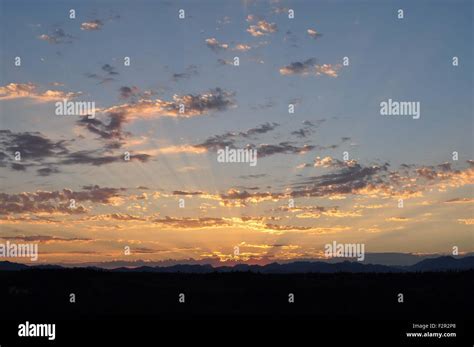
(443,263)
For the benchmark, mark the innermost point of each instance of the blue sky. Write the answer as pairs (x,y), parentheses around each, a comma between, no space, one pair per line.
(404,60)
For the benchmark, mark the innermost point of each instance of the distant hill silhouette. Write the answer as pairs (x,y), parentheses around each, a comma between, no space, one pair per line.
(444,263)
(9,266)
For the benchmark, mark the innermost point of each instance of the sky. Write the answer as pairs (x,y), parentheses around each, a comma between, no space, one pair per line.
(334,170)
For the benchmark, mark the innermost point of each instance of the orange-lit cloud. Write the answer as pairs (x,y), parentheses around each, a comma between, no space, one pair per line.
(30,91)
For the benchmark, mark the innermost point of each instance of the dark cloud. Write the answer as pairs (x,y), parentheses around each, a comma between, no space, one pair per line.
(252,176)
(37,150)
(265,150)
(91,157)
(56,201)
(18,167)
(216,142)
(109,69)
(128,92)
(309,67)
(216,100)
(46,171)
(345,181)
(101,79)
(308,128)
(261,129)
(299,68)
(31,145)
(229,139)
(107,131)
(190,71)
(291,38)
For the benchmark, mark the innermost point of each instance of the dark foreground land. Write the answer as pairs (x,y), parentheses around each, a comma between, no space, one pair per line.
(46,294)
(354,306)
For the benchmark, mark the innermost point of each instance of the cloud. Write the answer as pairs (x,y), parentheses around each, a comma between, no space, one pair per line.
(224,62)
(280,10)
(194,105)
(31,145)
(30,90)
(310,67)
(115,216)
(305,212)
(113,130)
(328,70)
(57,201)
(91,157)
(260,224)
(92,25)
(44,239)
(255,176)
(37,150)
(46,171)
(469,221)
(128,92)
(265,150)
(213,44)
(190,71)
(261,129)
(397,219)
(308,128)
(328,162)
(109,69)
(460,201)
(241,47)
(56,36)
(100,78)
(176,149)
(313,34)
(262,28)
(229,139)
(223,21)
(191,223)
(347,180)
(251,18)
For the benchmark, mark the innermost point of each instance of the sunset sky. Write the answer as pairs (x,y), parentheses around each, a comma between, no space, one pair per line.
(189,61)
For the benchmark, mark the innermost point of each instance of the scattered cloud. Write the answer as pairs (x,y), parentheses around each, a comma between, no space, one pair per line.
(310,67)
(190,71)
(194,105)
(313,34)
(262,28)
(31,91)
(56,36)
(92,25)
(215,45)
